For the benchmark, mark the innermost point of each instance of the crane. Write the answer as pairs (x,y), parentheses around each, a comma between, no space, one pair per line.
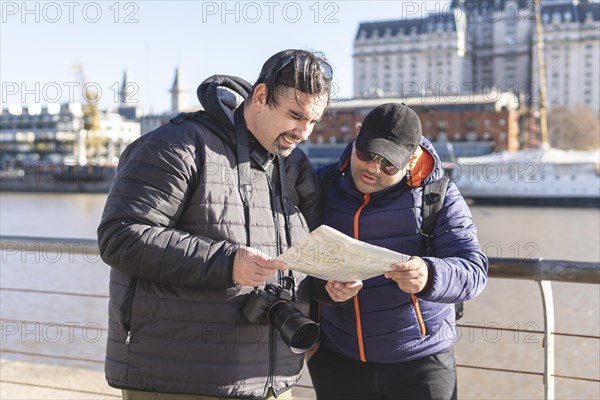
(541,71)
(93,145)
(90,96)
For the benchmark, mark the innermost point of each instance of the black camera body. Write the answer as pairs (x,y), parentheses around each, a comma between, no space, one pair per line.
(272,305)
(256,309)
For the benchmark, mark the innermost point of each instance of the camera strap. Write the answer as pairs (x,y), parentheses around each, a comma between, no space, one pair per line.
(243,164)
(285,193)
(288,282)
(245,189)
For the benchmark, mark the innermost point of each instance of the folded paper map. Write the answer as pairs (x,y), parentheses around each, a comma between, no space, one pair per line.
(329,254)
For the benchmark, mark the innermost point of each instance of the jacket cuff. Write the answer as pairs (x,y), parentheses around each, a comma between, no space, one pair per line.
(230,257)
(430,272)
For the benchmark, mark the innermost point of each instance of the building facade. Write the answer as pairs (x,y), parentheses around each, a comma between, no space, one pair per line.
(471,47)
(572,54)
(469,126)
(56,133)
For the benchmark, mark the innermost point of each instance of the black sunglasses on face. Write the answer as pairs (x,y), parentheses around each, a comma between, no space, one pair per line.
(323,66)
(386,167)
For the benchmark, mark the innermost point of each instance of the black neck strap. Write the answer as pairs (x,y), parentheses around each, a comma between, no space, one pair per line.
(285,194)
(243,164)
(245,188)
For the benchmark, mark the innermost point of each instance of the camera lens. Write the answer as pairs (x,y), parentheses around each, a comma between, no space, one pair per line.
(297,331)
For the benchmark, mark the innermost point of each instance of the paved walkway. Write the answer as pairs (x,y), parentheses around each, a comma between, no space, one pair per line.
(25,380)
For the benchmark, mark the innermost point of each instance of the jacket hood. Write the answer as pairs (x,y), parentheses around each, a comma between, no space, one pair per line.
(425,168)
(221,95)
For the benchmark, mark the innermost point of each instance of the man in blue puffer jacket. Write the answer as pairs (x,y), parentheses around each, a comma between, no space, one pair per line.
(394,340)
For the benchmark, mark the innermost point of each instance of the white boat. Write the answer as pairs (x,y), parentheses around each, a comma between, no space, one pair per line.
(535,176)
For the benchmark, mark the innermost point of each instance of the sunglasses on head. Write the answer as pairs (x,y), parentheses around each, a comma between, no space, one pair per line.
(323,66)
(386,167)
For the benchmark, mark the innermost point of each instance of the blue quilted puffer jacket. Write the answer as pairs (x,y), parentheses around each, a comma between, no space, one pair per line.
(383,324)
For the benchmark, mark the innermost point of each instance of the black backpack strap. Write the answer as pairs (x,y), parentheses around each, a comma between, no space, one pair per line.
(433,201)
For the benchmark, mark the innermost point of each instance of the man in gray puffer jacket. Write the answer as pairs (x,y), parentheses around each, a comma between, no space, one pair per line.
(198,210)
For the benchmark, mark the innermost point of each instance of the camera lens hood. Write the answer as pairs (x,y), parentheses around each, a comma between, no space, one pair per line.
(297,331)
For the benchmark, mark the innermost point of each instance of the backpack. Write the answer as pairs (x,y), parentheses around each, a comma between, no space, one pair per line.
(434,194)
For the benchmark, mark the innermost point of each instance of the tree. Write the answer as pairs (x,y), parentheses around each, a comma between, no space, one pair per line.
(574,128)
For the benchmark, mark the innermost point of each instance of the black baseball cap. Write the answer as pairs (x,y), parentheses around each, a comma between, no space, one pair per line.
(391,130)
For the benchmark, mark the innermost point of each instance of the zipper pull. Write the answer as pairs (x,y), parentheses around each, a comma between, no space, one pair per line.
(128,339)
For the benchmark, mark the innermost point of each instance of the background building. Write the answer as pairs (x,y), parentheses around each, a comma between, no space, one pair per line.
(462,126)
(128,104)
(407,58)
(179,103)
(79,132)
(58,133)
(572,54)
(475,46)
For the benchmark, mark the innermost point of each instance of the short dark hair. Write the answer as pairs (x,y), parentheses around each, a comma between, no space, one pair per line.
(302,70)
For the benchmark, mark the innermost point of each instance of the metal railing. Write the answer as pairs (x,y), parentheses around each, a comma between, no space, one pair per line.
(544,272)
(538,270)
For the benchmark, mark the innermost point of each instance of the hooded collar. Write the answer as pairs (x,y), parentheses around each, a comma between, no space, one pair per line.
(258,154)
(221,96)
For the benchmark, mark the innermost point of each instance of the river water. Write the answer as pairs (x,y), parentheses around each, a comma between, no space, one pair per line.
(71,330)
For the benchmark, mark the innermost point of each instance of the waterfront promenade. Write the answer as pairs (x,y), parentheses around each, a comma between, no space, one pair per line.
(30,380)
(500,334)
(74,350)
(27,380)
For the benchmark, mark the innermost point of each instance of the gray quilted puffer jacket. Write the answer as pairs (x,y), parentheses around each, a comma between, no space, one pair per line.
(171,225)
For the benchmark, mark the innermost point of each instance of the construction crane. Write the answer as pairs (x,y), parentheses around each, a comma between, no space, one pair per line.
(541,71)
(90,98)
(93,145)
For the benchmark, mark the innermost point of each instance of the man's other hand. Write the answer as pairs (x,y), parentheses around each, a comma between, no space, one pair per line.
(343,291)
(411,275)
(252,267)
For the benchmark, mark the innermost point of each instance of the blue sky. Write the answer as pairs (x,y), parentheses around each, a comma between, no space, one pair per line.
(40,41)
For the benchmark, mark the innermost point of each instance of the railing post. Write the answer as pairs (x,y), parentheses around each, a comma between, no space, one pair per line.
(547,301)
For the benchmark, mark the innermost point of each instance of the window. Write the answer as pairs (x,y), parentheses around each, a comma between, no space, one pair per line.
(556,17)
(568,16)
